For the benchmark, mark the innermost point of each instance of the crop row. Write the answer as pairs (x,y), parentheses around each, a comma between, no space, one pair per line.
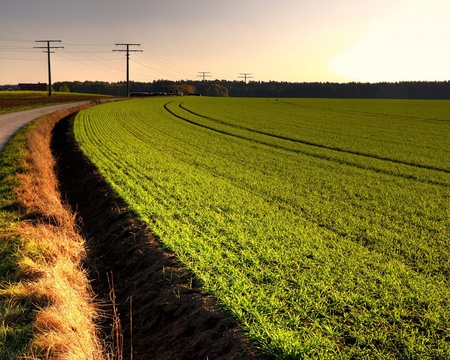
(316,223)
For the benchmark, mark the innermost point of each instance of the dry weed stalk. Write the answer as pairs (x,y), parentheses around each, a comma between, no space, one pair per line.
(64,327)
(116,329)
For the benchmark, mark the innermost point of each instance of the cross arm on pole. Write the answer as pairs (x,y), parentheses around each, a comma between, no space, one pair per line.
(128,51)
(48,51)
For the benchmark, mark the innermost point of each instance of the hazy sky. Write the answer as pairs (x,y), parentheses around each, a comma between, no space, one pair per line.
(282,40)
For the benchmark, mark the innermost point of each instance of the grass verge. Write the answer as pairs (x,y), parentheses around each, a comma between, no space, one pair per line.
(46,306)
(15,311)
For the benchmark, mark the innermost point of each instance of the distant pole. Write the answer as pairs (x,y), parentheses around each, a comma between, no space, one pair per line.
(48,51)
(128,61)
(204,74)
(245,76)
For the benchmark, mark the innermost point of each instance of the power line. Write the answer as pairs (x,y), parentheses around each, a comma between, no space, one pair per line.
(91,63)
(20,59)
(92,54)
(128,61)
(154,69)
(15,40)
(9,48)
(204,74)
(88,44)
(48,48)
(92,59)
(245,76)
(162,65)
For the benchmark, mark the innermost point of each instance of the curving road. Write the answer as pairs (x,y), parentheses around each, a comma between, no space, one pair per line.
(12,122)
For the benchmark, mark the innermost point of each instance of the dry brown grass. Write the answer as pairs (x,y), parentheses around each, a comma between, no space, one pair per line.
(52,259)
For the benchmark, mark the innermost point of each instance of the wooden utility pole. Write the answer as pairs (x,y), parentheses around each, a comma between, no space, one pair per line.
(48,51)
(204,74)
(128,61)
(245,76)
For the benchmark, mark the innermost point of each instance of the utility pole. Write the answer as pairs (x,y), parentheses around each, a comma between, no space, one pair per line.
(128,61)
(48,51)
(245,76)
(204,74)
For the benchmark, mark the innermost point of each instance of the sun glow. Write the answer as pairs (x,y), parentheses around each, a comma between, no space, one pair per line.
(410,45)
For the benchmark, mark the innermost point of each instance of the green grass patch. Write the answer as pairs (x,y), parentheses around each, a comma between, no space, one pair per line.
(322,225)
(16,312)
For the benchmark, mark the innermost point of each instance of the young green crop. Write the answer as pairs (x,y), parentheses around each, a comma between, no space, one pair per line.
(321,225)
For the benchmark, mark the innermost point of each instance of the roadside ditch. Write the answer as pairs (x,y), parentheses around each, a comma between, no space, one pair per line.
(160,312)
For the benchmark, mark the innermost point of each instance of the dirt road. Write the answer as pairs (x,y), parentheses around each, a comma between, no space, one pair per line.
(12,122)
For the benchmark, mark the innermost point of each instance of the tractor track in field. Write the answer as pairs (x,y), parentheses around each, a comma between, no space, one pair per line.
(162,311)
(293,140)
(313,145)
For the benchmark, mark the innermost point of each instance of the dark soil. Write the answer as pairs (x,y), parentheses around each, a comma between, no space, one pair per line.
(171,317)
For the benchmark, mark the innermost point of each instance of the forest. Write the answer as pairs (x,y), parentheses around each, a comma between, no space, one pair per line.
(271,89)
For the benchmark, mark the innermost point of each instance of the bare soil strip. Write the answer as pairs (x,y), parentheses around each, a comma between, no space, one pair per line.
(162,311)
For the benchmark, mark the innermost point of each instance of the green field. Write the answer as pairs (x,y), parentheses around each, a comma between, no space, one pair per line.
(322,225)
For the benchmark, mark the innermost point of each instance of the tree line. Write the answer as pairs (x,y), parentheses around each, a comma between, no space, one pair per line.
(384,90)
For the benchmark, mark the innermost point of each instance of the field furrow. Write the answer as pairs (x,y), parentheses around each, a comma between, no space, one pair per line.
(318,253)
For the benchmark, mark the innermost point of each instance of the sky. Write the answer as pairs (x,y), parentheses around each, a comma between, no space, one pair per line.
(269,40)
